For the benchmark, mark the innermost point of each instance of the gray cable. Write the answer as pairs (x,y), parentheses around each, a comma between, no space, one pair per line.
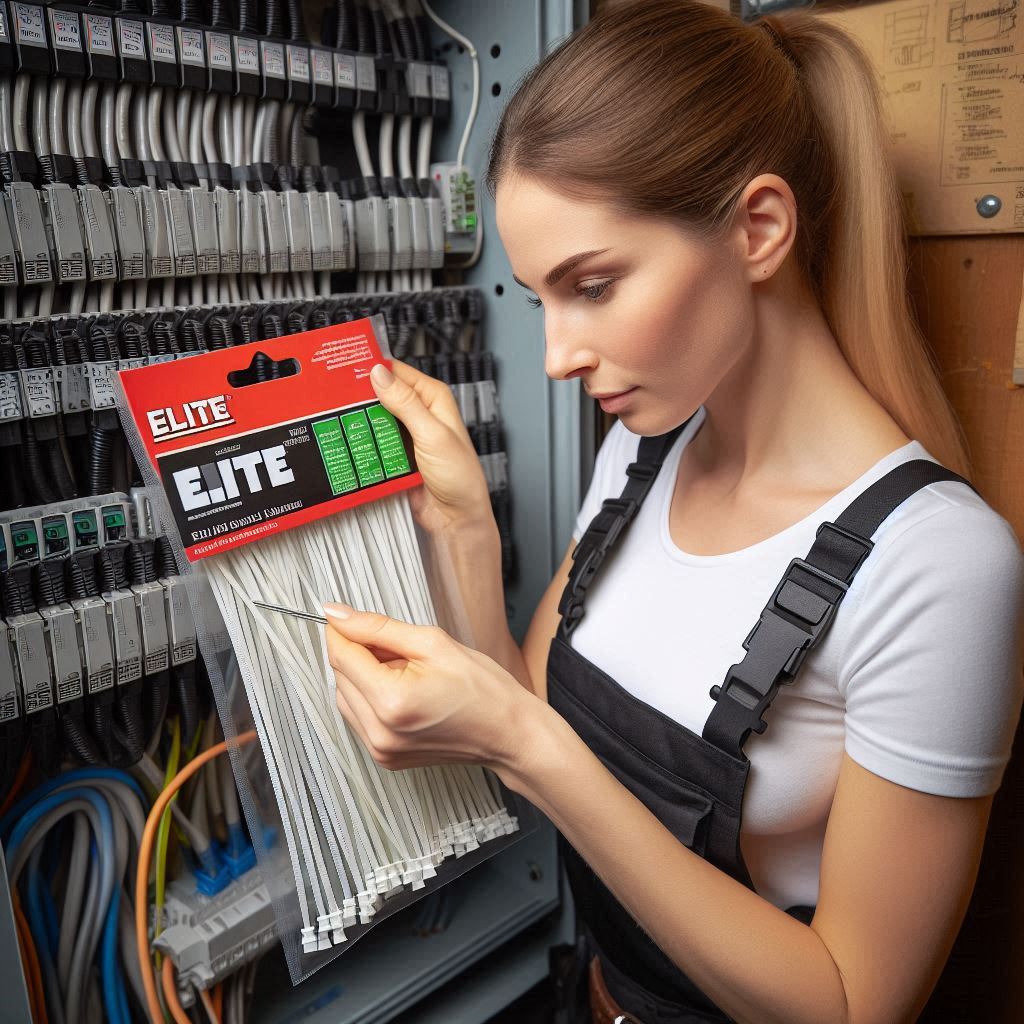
(122,121)
(108,124)
(20,116)
(181,114)
(87,119)
(260,131)
(54,1007)
(74,115)
(78,867)
(195,136)
(237,130)
(129,949)
(153,124)
(40,131)
(270,141)
(224,129)
(6,124)
(297,139)
(170,131)
(140,126)
(209,139)
(59,114)
(249,122)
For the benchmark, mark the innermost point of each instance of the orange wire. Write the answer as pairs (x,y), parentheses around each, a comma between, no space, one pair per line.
(19,781)
(211,1010)
(218,1000)
(142,875)
(171,993)
(31,960)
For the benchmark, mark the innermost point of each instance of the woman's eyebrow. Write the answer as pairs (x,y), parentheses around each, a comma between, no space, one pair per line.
(554,276)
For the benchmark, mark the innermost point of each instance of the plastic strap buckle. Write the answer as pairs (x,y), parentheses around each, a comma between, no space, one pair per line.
(793,622)
(615,515)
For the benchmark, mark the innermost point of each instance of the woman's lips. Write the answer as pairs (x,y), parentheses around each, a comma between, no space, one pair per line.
(614,401)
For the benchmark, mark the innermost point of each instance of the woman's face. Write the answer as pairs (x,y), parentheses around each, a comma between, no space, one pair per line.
(647,315)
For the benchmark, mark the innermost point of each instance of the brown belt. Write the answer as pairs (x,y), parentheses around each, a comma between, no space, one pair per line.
(604,1009)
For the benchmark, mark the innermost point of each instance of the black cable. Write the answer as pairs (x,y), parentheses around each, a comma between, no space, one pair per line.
(296,22)
(364,29)
(275,19)
(345,25)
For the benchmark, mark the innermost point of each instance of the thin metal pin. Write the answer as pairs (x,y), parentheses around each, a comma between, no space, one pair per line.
(294,612)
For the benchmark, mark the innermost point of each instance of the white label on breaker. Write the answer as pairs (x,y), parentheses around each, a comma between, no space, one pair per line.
(161,43)
(99,34)
(298,63)
(29,21)
(273,59)
(5,35)
(322,72)
(66,31)
(247,56)
(10,396)
(133,43)
(366,74)
(37,387)
(219,46)
(190,42)
(345,70)
(439,82)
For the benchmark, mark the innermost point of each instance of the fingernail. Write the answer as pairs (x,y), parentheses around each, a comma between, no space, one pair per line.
(337,611)
(381,376)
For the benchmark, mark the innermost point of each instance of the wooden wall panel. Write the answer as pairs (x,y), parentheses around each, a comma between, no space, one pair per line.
(967,292)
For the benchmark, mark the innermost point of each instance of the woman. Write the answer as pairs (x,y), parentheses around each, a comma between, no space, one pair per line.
(704,209)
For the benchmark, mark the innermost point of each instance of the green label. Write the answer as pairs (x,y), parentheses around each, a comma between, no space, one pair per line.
(334,452)
(389,441)
(364,451)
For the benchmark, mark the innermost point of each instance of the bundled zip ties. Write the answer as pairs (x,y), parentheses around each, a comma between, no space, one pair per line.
(289,492)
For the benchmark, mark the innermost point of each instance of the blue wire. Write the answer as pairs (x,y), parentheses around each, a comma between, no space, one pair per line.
(49,915)
(113,984)
(37,923)
(47,804)
(10,819)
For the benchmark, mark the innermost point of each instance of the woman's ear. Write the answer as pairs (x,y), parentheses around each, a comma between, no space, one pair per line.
(765,225)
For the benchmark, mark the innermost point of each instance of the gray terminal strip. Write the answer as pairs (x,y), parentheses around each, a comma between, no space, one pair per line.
(30,232)
(181,624)
(94,635)
(128,230)
(28,634)
(149,597)
(10,706)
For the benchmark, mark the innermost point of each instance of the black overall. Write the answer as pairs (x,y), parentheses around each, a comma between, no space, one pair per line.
(695,784)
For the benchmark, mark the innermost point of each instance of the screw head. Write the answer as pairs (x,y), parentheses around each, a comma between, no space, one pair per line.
(989,206)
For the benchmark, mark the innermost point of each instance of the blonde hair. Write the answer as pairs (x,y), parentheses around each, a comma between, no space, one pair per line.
(671,107)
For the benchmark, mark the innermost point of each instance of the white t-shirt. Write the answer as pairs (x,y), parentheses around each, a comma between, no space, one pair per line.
(918,680)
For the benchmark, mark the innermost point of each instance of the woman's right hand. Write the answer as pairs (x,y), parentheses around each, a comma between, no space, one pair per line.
(455,491)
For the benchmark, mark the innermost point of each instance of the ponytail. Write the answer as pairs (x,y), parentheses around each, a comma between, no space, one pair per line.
(792,95)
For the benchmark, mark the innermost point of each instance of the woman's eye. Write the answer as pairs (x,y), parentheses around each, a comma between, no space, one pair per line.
(533,301)
(596,291)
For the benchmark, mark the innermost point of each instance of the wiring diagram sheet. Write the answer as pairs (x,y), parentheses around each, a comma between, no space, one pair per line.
(952,73)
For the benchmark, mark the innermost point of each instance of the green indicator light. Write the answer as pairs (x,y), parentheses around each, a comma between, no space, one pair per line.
(113,522)
(55,534)
(86,532)
(470,220)
(3,552)
(25,541)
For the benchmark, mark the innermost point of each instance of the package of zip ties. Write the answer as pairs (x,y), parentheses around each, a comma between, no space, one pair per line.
(280,479)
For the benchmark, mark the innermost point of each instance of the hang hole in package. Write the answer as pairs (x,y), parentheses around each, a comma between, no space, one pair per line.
(281,479)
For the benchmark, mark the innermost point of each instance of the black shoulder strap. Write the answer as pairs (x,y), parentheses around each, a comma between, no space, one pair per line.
(607,526)
(804,603)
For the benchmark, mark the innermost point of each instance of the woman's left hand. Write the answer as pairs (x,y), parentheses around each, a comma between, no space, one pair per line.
(416,697)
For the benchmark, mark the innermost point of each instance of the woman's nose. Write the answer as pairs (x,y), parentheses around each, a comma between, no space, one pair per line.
(565,356)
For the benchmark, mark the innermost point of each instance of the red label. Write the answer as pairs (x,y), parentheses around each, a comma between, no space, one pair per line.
(239,460)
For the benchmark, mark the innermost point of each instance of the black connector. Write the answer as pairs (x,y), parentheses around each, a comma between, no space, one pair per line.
(300,87)
(68,51)
(32,47)
(192,68)
(220,61)
(273,70)
(130,40)
(100,50)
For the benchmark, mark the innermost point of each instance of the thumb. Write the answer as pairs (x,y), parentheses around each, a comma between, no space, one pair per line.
(402,401)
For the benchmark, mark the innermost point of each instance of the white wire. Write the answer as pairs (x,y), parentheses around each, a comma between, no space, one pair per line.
(20,113)
(171,136)
(385,142)
(362,146)
(475,58)
(423,141)
(405,146)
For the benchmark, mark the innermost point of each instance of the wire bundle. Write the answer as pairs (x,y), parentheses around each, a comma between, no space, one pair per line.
(355,832)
